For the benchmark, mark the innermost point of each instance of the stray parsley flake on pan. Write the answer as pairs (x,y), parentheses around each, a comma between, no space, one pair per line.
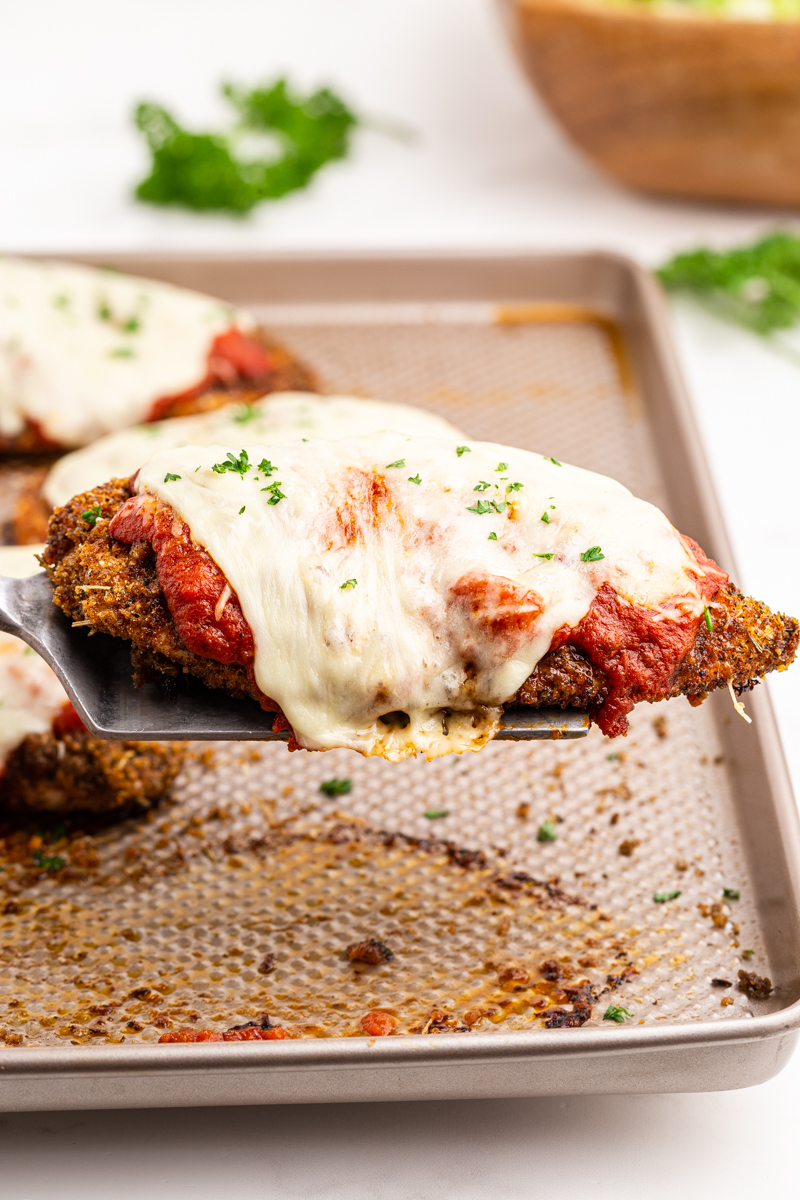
(663,897)
(616,1013)
(707,618)
(462,450)
(435,814)
(336,787)
(401,462)
(170,478)
(47,862)
(214,172)
(349,584)
(731,893)
(546,832)
(593,554)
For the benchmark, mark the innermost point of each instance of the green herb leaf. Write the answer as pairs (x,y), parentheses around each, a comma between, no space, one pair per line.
(349,584)
(748,953)
(546,832)
(401,462)
(731,893)
(91,515)
(170,478)
(501,467)
(46,862)
(239,466)
(122,352)
(616,1013)
(544,517)
(542,556)
(515,487)
(482,486)
(132,325)
(707,616)
(435,814)
(206,171)
(241,510)
(462,450)
(247,412)
(414,479)
(492,537)
(593,554)
(481,507)
(663,897)
(336,787)
(757,286)
(554,461)
(266,467)
(62,302)
(498,507)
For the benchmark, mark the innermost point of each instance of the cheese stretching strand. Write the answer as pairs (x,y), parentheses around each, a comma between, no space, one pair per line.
(86,351)
(390,594)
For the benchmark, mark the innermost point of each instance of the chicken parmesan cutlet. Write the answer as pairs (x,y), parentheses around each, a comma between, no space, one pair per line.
(85,351)
(390,594)
(49,764)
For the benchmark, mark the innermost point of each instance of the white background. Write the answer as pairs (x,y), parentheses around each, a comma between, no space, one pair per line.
(486,168)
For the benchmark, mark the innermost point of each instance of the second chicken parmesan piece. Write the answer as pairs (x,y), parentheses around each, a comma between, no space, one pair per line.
(86,351)
(390,594)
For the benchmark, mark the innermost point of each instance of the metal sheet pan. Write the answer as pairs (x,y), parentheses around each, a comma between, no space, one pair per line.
(587,368)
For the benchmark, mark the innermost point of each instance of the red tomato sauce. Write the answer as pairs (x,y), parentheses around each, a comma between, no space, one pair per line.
(234,357)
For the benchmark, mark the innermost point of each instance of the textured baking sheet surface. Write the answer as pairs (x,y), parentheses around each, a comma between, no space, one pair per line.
(164,923)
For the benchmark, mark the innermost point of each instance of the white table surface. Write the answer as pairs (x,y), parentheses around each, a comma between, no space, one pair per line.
(487,169)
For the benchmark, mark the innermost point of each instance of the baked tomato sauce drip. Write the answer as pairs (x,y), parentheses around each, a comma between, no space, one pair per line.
(638,649)
(67,720)
(206,612)
(234,357)
(232,1035)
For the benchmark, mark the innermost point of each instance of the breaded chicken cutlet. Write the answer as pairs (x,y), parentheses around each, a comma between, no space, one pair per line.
(114,585)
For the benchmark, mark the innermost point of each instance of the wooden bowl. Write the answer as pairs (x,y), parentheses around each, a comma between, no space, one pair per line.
(680,105)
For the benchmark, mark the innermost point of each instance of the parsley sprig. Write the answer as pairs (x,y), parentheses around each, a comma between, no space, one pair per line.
(616,1013)
(239,466)
(593,554)
(210,172)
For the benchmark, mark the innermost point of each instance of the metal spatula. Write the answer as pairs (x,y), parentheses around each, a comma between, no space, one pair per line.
(96,674)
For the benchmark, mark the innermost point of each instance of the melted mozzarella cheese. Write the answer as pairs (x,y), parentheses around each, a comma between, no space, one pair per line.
(86,351)
(280,417)
(30,694)
(372,586)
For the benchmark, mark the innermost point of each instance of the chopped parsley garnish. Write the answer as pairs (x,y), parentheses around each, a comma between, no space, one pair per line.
(542,556)
(132,325)
(663,897)
(482,486)
(122,352)
(276,494)
(501,467)
(247,413)
(498,507)
(91,515)
(170,478)
(515,487)
(61,302)
(462,450)
(336,787)
(707,618)
(47,862)
(401,462)
(544,517)
(241,510)
(616,1013)
(104,312)
(435,814)
(414,479)
(748,953)
(266,466)
(492,537)
(481,507)
(593,554)
(239,466)
(554,461)
(731,893)
(546,832)
(349,584)
(214,172)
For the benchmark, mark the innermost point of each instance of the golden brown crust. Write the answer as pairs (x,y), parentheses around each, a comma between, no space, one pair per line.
(125,600)
(76,773)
